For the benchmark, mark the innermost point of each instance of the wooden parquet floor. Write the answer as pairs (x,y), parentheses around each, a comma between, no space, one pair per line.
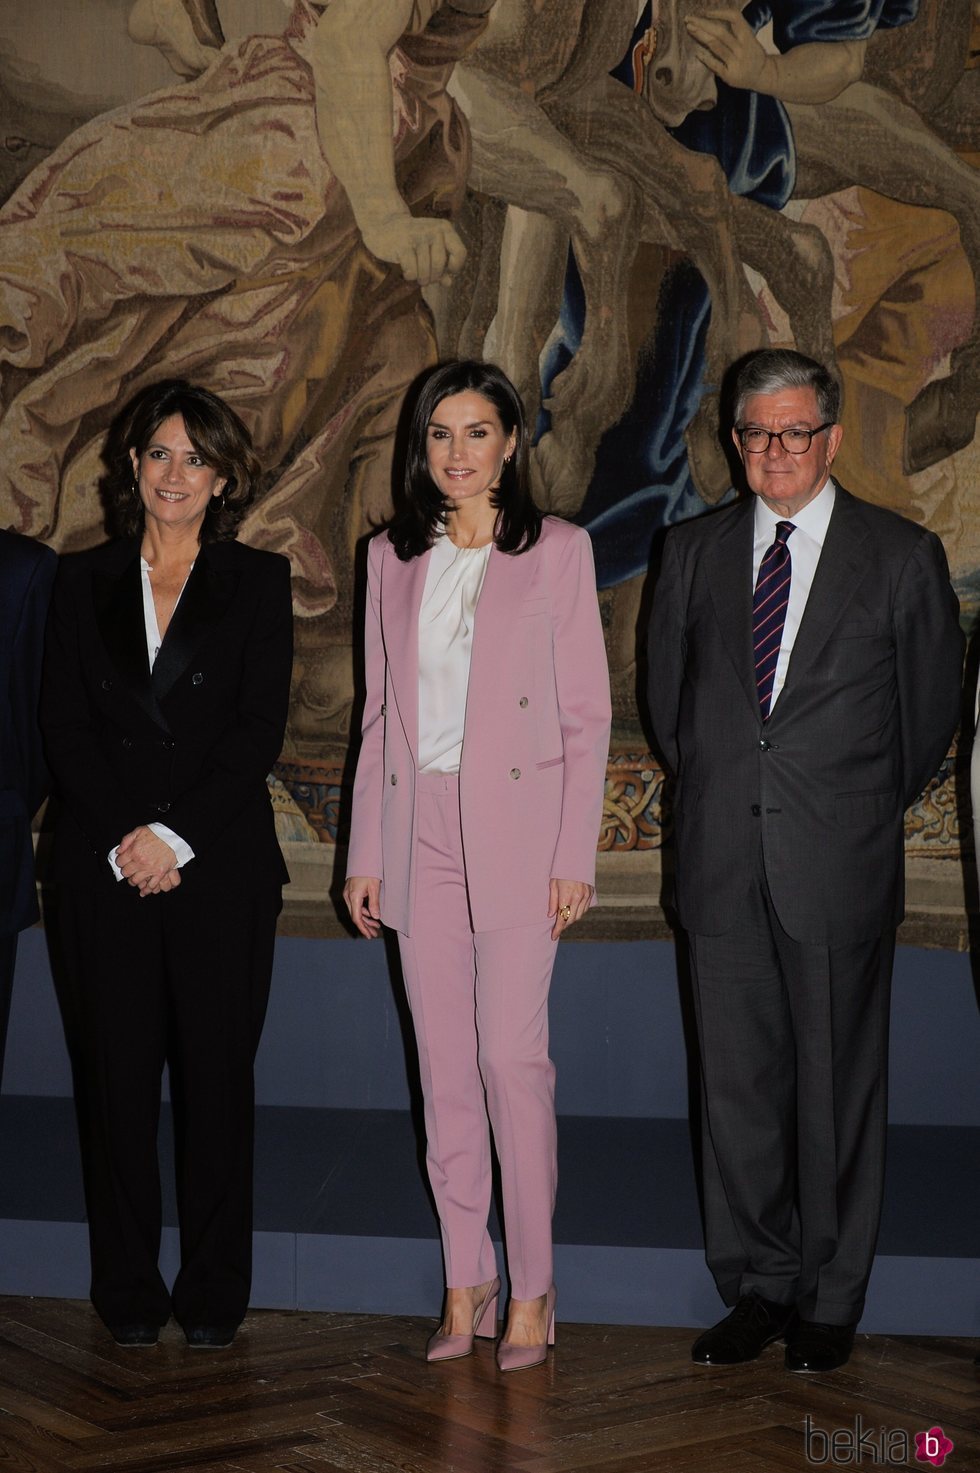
(331,1393)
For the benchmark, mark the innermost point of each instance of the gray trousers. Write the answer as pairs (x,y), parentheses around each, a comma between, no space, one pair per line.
(794,1051)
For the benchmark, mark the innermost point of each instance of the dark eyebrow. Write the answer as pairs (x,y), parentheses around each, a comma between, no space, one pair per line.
(476,424)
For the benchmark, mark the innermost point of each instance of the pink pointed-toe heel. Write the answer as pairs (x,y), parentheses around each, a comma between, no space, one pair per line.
(453,1347)
(522,1357)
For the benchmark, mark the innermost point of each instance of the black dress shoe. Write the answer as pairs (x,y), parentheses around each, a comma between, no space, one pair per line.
(742,1335)
(209,1337)
(815,1347)
(134,1334)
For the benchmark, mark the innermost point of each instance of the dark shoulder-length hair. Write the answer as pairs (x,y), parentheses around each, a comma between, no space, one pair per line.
(216,433)
(421,511)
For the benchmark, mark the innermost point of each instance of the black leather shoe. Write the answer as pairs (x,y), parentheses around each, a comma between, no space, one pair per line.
(742,1335)
(134,1334)
(815,1347)
(209,1337)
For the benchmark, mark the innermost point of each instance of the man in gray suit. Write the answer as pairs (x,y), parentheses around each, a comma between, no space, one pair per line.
(805,662)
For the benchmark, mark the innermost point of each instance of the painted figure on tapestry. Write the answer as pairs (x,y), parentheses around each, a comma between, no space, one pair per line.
(264,226)
(303,205)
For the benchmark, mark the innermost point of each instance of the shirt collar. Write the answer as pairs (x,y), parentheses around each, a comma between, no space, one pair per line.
(813,519)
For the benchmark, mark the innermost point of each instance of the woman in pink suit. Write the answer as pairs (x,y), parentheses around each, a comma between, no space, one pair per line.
(477,805)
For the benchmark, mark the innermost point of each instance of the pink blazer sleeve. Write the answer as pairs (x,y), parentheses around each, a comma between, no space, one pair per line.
(584,708)
(364,853)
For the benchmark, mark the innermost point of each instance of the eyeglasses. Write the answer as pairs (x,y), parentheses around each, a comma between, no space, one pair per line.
(757,441)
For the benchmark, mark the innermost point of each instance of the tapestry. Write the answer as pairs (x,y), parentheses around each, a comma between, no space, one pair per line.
(302,206)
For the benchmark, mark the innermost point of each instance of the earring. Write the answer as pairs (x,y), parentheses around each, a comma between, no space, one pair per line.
(135,489)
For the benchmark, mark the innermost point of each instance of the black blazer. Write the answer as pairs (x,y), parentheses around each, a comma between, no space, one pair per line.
(27,572)
(189,746)
(871,700)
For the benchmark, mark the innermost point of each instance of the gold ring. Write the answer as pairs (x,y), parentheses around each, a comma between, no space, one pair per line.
(565,912)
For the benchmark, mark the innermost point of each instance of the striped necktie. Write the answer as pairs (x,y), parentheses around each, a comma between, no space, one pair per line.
(769,603)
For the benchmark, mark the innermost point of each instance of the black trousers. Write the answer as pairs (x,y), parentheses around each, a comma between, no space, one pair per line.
(794,1048)
(182,979)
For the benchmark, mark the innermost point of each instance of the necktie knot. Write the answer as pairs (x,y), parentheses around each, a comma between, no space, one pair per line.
(783,530)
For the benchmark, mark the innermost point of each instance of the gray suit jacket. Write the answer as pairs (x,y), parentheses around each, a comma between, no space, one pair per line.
(871,700)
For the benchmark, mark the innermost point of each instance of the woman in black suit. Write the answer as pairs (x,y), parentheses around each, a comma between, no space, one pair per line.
(163,708)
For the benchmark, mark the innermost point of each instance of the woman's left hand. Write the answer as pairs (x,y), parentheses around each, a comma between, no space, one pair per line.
(568,900)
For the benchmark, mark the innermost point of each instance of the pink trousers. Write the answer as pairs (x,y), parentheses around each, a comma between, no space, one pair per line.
(479,1004)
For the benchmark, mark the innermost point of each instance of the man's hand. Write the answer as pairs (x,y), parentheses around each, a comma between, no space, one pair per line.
(727,45)
(427,250)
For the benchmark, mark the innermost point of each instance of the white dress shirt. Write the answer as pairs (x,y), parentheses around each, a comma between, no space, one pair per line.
(181,848)
(805,546)
(452,591)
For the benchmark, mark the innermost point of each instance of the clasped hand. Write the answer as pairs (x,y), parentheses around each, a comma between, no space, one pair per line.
(147,862)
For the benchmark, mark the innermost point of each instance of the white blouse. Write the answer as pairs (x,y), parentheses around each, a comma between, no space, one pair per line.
(452,591)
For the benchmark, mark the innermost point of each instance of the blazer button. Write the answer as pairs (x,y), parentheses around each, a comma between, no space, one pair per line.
(107,685)
(163,808)
(523,703)
(384,710)
(127,743)
(767,746)
(756,811)
(394,779)
(167,742)
(515,773)
(197,678)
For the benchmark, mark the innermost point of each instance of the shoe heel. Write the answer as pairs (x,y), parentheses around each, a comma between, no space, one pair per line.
(486,1326)
(553,1297)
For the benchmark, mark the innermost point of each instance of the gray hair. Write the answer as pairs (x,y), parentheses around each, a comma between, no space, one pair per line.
(772,369)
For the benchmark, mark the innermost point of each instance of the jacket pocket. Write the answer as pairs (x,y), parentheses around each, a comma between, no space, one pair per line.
(864,810)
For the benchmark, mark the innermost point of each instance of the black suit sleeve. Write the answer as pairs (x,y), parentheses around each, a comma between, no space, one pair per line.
(25,677)
(74,742)
(667,652)
(929,663)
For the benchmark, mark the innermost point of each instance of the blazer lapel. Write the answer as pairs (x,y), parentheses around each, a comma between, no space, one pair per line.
(505,583)
(205,599)
(843,560)
(402,587)
(117,595)
(728,568)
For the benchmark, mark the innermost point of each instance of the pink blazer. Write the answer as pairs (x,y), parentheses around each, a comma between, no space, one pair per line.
(536,733)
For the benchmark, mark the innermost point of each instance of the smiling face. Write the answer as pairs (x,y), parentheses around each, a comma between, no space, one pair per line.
(466,446)
(787,482)
(175,483)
